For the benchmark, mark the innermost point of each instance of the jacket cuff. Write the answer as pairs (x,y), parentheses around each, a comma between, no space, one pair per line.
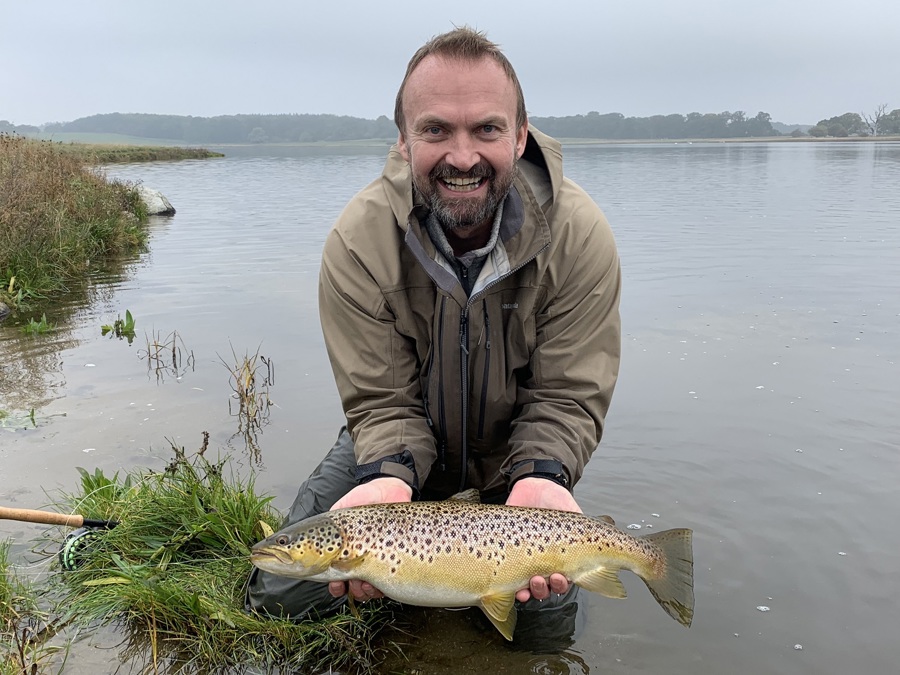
(551,469)
(400,466)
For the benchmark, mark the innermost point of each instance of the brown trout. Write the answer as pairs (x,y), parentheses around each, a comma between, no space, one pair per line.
(457,553)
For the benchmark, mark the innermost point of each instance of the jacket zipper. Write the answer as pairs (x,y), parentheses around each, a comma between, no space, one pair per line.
(442,413)
(464,393)
(464,367)
(487,370)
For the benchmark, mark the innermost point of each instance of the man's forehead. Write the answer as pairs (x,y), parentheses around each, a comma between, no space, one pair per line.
(439,78)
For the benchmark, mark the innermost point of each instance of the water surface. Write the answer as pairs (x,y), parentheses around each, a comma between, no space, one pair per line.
(757,402)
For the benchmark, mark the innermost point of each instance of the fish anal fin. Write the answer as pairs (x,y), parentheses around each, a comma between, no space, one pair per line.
(500,609)
(471,495)
(602,580)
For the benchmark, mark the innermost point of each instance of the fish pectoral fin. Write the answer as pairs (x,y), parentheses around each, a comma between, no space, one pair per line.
(348,565)
(603,580)
(471,495)
(500,609)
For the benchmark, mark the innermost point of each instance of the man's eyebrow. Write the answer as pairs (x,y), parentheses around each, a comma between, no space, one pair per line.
(431,120)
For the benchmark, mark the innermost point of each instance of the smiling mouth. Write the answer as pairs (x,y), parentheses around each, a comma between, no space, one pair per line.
(462,184)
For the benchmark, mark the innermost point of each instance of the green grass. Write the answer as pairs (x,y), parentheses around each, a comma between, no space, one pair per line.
(171,576)
(57,218)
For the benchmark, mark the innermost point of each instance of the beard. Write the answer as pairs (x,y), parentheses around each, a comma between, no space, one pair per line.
(464,213)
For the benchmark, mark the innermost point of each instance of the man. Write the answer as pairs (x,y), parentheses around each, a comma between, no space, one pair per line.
(469,302)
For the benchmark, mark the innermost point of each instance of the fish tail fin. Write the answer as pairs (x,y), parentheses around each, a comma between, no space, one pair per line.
(673,587)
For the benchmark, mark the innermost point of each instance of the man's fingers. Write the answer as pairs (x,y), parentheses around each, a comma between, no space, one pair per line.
(540,590)
(337,588)
(559,584)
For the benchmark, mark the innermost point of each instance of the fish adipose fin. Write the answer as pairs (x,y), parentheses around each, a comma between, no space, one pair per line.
(501,610)
(606,519)
(603,580)
(674,589)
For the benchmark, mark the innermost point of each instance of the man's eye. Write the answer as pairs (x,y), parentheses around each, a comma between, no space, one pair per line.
(433,131)
(488,128)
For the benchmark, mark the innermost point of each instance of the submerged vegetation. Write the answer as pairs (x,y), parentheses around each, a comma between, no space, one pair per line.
(57,218)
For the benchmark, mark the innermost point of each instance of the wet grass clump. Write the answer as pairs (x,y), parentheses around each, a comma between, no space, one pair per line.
(171,575)
(57,217)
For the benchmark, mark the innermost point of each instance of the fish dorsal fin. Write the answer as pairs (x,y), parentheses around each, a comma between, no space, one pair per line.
(472,495)
(603,580)
(500,609)
(349,564)
(606,519)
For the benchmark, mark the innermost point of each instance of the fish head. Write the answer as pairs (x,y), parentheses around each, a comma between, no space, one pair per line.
(301,550)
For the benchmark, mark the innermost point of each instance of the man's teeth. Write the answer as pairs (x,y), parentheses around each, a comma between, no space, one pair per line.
(462,184)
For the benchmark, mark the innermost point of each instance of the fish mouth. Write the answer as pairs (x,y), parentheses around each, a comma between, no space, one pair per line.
(264,555)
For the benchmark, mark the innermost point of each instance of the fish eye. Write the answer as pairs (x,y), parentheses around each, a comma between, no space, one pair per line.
(282,540)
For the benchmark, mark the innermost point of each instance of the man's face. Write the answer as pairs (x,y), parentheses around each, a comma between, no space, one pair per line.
(460,139)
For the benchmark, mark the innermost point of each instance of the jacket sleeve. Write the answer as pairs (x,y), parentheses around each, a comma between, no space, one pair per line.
(575,363)
(375,369)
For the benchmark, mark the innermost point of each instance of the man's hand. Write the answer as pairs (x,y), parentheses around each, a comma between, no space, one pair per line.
(544,494)
(377,491)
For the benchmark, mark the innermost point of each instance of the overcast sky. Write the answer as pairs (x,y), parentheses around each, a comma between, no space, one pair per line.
(798,60)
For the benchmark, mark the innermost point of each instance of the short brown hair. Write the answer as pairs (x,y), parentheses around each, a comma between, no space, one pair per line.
(463,44)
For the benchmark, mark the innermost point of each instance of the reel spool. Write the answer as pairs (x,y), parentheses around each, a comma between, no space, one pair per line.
(75,547)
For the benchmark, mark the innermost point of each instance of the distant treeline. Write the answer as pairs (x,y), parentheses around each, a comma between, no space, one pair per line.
(332,128)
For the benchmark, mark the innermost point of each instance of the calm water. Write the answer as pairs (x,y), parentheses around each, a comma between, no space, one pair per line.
(758,400)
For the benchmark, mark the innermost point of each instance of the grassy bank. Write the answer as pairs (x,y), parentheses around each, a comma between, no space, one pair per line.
(120,154)
(57,216)
(171,575)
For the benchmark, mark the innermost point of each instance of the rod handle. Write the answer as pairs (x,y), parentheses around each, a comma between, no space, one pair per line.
(44,517)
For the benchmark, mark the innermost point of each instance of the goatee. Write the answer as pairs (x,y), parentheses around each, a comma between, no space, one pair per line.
(460,214)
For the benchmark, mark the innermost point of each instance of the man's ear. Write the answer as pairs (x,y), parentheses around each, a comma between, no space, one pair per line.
(521,139)
(403,147)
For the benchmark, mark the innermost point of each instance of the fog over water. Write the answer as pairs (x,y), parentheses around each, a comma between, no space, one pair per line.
(799,61)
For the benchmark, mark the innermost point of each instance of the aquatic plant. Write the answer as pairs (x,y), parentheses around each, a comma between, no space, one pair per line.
(120,328)
(172,575)
(39,327)
(167,355)
(251,377)
(24,627)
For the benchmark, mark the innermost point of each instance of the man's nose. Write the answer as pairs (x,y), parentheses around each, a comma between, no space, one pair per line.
(463,152)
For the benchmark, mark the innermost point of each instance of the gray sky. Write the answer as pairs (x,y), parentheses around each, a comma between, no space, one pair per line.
(798,60)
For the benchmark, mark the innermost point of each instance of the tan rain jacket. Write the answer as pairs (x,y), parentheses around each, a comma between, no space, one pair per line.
(450,392)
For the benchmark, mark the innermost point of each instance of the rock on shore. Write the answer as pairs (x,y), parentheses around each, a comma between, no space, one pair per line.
(156,202)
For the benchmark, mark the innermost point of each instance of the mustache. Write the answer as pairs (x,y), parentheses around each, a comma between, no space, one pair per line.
(444,170)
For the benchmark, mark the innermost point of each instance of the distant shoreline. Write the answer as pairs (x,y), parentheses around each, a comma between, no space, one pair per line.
(130,149)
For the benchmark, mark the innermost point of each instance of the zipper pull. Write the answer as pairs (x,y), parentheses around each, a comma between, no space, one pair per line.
(462,336)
